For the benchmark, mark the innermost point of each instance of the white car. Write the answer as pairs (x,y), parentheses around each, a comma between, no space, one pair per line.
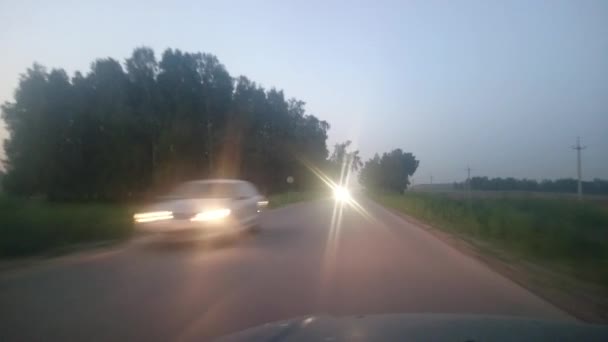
(204,208)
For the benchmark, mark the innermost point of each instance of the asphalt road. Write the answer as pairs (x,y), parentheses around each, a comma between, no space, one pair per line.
(300,264)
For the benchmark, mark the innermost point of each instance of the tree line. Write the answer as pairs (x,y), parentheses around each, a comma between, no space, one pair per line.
(566,185)
(389,172)
(122,130)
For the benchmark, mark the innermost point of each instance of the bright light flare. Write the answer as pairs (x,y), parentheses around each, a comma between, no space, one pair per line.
(342,194)
(153,216)
(211,215)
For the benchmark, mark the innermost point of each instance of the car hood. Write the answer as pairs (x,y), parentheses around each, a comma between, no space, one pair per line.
(420,327)
(190,205)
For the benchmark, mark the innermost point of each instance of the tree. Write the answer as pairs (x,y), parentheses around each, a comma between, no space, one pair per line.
(143,100)
(371,173)
(342,157)
(119,130)
(390,172)
(30,126)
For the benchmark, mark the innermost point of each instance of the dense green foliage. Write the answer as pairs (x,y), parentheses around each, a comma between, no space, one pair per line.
(568,235)
(31,226)
(569,185)
(342,157)
(122,129)
(390,172)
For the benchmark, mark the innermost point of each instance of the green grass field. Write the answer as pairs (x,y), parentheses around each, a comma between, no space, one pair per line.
(34,226)
(567,235)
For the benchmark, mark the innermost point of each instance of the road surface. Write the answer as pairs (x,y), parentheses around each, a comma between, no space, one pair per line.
(300,264)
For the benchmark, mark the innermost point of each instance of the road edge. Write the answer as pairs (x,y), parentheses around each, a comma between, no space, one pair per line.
(583,303)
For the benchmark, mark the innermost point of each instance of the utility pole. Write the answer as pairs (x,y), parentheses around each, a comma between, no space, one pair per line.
(209,147)
(578,149)
(431,179)
(469,183)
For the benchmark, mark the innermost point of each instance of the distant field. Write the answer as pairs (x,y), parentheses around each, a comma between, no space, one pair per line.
(568,235)
(34,226)
(459,194)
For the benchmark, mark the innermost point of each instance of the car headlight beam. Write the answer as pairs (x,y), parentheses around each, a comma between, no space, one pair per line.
(211,215)
(152,216)
(342,194)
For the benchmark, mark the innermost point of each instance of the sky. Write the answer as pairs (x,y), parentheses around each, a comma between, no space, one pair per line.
(504,87)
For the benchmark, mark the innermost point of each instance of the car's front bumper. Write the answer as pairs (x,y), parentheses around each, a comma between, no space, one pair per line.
(189,228)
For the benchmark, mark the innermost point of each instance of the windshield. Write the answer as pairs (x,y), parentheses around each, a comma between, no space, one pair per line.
(205,190)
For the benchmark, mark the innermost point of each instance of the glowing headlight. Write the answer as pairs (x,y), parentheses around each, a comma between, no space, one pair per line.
(342,194)
(211,215)
(153,216)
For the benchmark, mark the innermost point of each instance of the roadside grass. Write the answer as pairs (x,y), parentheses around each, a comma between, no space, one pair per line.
(31,226)
(569,236)
(282,199)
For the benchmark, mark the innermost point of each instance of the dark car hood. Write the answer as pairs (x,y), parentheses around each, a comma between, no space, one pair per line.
(420,327)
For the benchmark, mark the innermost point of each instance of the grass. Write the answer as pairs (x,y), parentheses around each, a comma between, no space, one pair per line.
(279,200)
(34,226)
(570,236)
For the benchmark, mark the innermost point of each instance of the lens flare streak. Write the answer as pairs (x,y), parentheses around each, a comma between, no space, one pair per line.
(343,201)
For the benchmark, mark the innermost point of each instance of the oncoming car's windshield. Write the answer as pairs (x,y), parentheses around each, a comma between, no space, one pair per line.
(205,190)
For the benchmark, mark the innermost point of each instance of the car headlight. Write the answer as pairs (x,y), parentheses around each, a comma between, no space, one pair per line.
(342,194)
(211,215)
(152,216)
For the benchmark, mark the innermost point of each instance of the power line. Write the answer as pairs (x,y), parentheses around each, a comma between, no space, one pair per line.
(578,149)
